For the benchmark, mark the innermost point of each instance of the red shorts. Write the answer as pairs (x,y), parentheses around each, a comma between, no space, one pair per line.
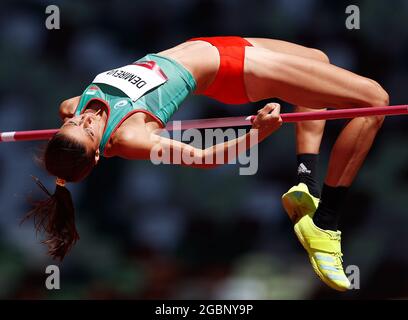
(228,85)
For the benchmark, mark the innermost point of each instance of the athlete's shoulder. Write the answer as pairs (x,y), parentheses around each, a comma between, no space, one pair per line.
(130,139)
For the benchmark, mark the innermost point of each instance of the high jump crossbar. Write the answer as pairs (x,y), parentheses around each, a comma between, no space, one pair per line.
(13,136)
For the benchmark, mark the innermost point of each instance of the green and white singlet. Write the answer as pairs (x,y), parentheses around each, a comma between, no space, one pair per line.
(161,100)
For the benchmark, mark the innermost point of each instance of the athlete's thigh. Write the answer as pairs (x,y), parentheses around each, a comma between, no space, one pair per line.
(301,81)
(288,48)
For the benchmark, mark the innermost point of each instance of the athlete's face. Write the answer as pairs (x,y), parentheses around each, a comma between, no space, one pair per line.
(86,128)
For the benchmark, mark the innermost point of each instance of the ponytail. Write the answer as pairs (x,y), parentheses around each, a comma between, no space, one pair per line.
(55,217)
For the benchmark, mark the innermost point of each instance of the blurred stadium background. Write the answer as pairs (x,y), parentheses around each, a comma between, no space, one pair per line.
(166,232)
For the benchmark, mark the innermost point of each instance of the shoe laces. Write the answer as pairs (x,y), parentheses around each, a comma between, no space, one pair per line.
(335,236)
(339,260)
(338,255)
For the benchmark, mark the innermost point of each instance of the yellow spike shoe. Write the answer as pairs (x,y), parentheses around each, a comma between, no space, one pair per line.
(324,249)
(298,202)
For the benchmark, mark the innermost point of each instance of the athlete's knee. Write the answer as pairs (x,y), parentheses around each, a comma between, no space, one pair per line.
(320,55)
(381,96)
(375,95)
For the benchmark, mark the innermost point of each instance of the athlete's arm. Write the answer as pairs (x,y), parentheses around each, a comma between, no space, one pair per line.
(68,107)
(150,146)
(267,121)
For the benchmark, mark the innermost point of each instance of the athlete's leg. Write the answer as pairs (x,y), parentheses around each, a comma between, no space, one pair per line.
(316,84)
(303,81)
(308,133)
(313,129)
(288,48)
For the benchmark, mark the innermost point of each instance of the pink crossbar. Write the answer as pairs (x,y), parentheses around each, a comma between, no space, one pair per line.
(232,121)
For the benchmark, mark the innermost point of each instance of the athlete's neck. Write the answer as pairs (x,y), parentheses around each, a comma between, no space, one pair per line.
(99,109)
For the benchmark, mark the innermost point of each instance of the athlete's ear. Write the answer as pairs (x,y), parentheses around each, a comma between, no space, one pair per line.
(97,156)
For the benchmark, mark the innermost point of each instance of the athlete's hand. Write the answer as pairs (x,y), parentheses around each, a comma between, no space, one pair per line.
(268,118)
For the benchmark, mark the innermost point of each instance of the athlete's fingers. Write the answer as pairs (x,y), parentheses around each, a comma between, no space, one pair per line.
(272,118)
(268,116)
(268,108)
(275,111)
(271,110)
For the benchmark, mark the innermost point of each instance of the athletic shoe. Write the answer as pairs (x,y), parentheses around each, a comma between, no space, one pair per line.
(324,249)
(298,202)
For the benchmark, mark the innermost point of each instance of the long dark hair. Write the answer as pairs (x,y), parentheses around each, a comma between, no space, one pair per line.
(69,160)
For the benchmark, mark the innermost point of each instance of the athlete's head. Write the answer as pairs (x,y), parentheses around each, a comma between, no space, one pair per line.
(74,151)
(70,155)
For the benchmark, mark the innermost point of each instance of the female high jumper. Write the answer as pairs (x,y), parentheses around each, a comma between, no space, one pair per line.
(119,114)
